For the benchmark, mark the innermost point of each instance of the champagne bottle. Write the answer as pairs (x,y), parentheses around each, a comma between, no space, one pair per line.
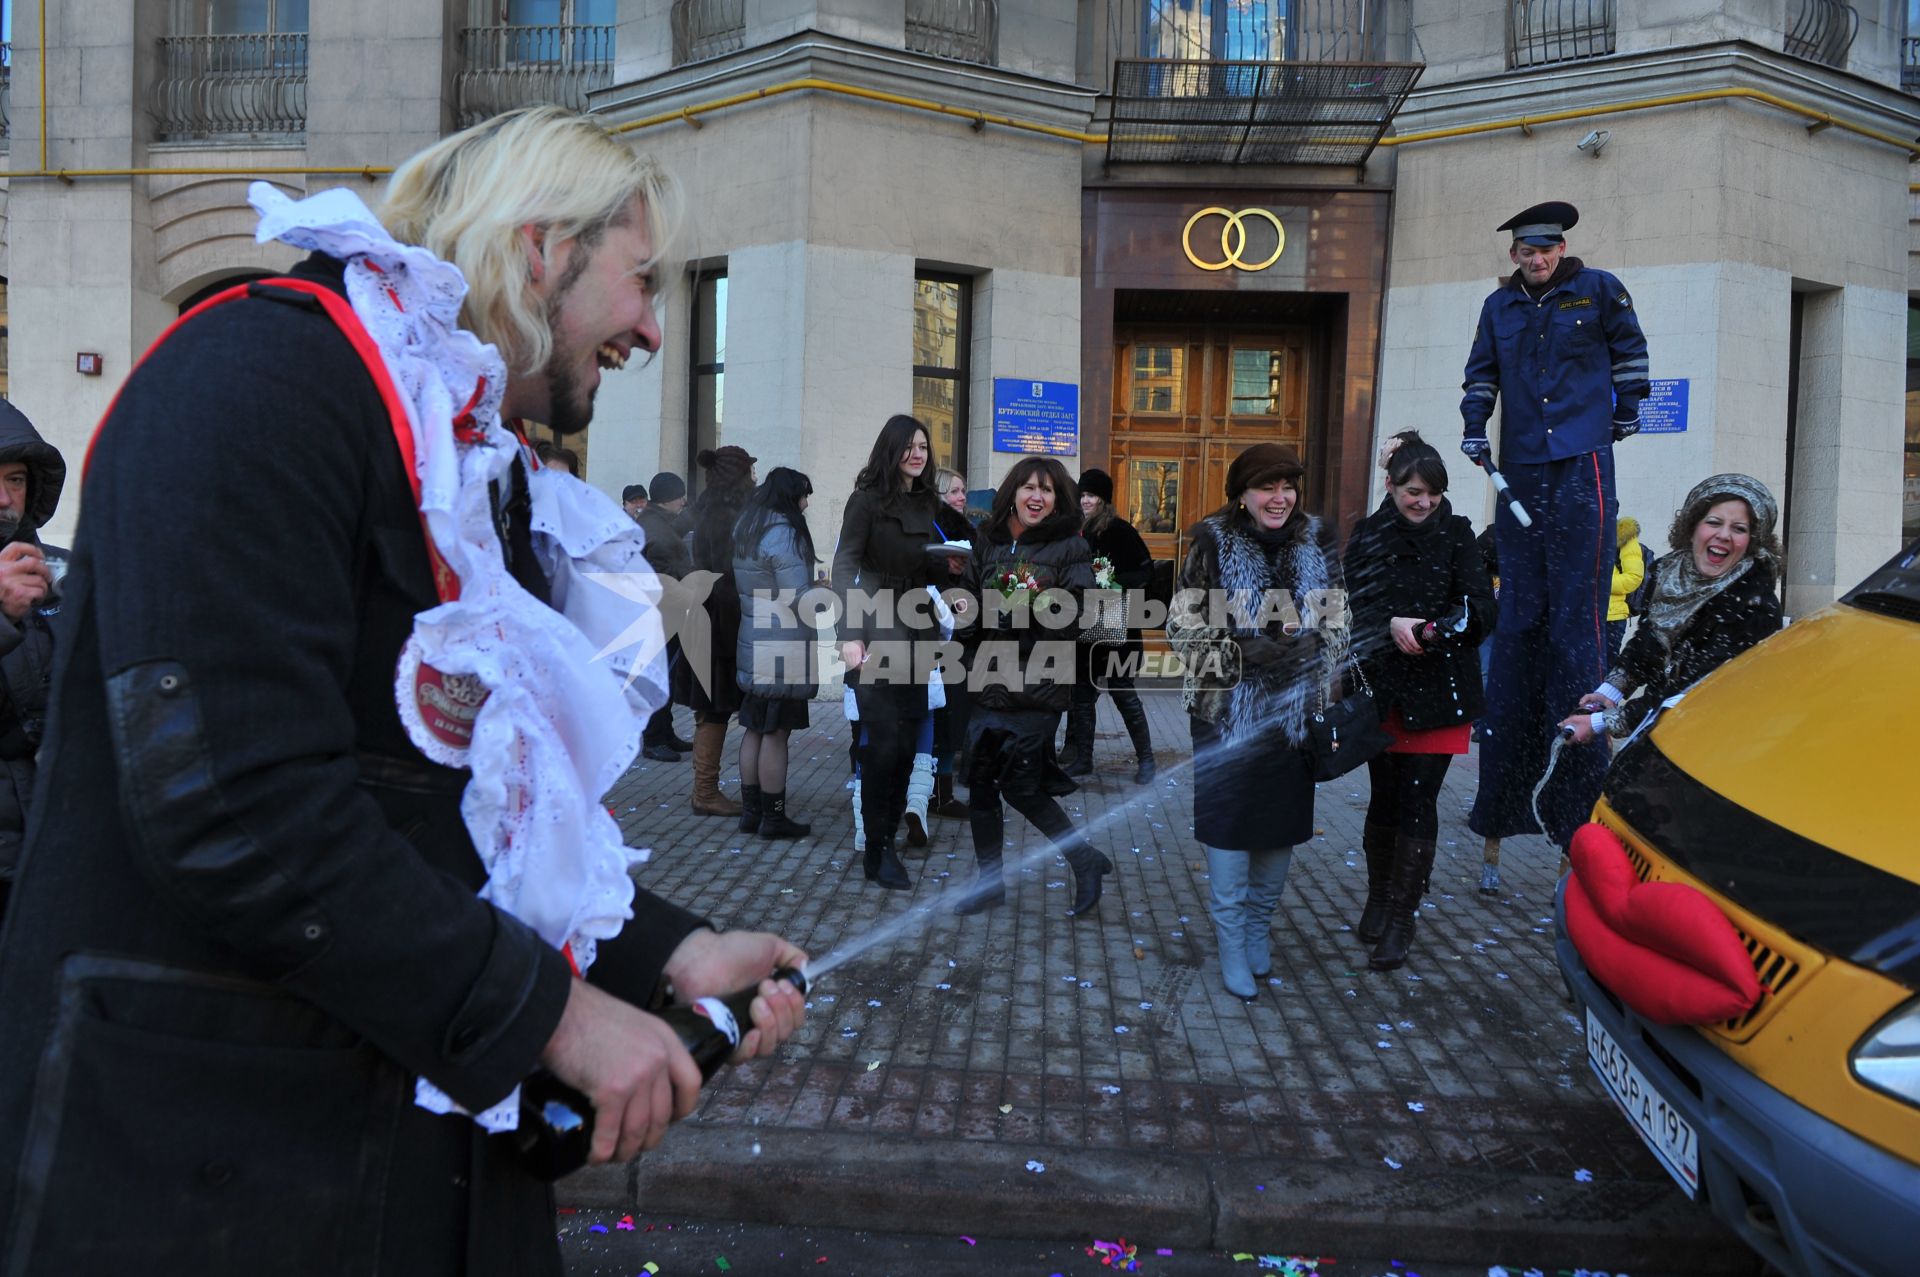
(555,1134)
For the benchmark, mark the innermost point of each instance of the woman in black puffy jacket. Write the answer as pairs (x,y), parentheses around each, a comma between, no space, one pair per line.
(1023,670)
(1421,604)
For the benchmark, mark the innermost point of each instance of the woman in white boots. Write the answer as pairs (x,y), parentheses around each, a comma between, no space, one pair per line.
(1257,622)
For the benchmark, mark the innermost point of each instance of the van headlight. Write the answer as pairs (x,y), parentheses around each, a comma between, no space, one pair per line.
(1888,1058)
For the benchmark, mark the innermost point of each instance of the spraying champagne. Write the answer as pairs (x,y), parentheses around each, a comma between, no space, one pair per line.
(555,1134)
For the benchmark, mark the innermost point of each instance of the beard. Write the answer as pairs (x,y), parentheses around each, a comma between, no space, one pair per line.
(9,524)
(570,408)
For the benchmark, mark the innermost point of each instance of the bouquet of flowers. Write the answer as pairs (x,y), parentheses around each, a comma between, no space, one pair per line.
(1017,581)
(1103,578)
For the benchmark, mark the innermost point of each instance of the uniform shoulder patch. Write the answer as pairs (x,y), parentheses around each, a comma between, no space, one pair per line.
(1625,300)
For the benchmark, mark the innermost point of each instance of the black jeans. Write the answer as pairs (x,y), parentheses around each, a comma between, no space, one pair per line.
(892,733)
(1406,793)
(1016,773)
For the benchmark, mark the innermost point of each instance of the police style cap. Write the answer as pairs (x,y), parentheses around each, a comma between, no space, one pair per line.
(1543,225)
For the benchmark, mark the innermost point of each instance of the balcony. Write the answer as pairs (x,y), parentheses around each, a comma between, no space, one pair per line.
(6,87)
(1821,31)
(962,30)
(505,67)
(1544,32)
(230,86)
(705,29)
(1910,65)
(1251,81)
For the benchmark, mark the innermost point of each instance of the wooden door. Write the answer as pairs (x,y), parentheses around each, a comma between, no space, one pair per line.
(1187,401)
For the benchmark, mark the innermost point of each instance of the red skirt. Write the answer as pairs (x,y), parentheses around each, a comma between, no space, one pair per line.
(1433,740)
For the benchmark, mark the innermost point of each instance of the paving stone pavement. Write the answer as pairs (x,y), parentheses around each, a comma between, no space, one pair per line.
(1056,1039)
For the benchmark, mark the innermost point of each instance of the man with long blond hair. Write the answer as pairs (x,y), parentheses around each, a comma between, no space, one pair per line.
(323,873)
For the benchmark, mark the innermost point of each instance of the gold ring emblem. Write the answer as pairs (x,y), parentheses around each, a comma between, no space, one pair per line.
(1233,238)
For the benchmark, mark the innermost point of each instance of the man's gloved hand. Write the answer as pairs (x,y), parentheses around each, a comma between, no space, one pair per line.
(1476,447)
(1626,429)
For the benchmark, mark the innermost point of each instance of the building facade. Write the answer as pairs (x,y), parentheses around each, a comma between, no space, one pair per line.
(1141,233)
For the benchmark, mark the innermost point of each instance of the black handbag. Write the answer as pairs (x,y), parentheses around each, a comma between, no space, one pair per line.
(1347,733)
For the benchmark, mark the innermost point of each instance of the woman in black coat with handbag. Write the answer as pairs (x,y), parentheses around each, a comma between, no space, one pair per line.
(881,562)
(1031,546)
(1421,605)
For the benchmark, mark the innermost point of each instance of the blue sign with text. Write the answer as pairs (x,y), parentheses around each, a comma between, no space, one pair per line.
(1665,410)
(1041,417)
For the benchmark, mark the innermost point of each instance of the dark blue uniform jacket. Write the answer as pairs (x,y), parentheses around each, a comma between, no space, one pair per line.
(1556,365)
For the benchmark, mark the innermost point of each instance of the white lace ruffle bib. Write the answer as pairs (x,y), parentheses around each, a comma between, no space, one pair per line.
(545,705)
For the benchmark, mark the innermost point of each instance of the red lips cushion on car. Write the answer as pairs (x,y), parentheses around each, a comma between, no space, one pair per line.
(1662,948)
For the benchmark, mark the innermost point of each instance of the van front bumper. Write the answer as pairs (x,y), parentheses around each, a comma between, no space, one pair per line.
(1811,1197)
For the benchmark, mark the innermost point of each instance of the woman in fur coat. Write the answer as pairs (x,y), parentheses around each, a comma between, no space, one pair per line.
(1259,623)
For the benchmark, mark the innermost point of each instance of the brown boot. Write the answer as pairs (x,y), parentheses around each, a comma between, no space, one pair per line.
(708,741)
(944,803)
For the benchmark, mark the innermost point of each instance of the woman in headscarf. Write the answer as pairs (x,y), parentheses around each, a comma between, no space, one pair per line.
(1421,606)
(1256,624)
(1713,598)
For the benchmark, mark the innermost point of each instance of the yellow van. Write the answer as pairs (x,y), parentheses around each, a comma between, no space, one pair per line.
(1786,787)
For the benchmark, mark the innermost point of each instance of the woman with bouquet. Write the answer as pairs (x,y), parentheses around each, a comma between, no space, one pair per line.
(1030,554)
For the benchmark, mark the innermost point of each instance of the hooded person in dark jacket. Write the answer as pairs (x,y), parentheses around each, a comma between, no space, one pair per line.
(1022,673)
(1421,605)
(32,474)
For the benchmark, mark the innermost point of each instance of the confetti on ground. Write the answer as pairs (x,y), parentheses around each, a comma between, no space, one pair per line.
(650,1267)
(596,1228)
(1415,1106)
(1110,1090)
(873,1065)
(968,1240)
(873,1002)
(1116,1254)
(1146,1006)
(626,1224)
(1006,1108)
(720,1262)
(1120,1028)
(1583,1175)
(1038,1168)
(1390,1162)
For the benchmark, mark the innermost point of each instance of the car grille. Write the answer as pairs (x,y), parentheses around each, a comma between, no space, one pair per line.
(1775,969)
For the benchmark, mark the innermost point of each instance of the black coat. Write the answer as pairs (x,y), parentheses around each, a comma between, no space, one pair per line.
(1725,626)
(666,548)
(882,554)
(1432,573)
(26,645)
(1014,646)
(247,917)
(710,549)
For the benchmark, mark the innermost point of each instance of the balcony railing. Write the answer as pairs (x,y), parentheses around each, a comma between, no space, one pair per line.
(231,85)
(1910,64)
(1247,30)
(964,30)
(506,67)
(1821,31)
(1543,32)
(705,29)
(6,86)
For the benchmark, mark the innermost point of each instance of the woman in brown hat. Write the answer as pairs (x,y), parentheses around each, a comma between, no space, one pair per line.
(1251,622)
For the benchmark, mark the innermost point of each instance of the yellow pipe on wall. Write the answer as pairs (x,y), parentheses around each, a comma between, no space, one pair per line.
(980,119)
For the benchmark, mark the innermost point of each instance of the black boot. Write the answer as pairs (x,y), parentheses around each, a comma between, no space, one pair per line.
(944,803)
(1134,715)
(989,838)
(1081,718)
(1089,867)
(1412,862)
(883,863)
(749,808)
(774,821)
(1377,842)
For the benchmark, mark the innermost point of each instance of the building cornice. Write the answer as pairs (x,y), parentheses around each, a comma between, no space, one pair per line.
(813,55)
(1619,78)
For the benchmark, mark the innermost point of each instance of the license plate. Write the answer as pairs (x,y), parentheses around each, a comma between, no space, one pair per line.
(1670,1136)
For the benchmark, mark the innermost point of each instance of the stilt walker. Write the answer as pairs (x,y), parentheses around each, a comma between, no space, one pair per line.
(1560,349)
